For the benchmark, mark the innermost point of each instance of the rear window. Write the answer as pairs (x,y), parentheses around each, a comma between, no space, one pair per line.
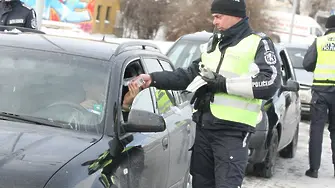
(184,52)
(297,56)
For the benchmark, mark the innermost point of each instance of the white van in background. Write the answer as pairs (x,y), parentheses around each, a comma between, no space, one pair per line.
(305,28)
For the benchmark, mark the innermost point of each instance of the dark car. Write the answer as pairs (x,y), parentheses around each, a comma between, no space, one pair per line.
(279,128)
(296,53)
(61,119)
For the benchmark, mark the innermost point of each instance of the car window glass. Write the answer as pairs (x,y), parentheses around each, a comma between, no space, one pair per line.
(152,65)
(62,88)
(297,57)
(184,52)
(176,94)
(318,32)
(164,100)
(286,74)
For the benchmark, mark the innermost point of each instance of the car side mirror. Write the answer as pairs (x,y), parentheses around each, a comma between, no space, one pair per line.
(291,85)
(144,121)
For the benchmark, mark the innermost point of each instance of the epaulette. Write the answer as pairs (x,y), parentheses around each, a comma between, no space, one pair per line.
(261,34)
(24,5)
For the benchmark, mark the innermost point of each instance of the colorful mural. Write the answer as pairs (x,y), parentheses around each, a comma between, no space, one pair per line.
(71,11)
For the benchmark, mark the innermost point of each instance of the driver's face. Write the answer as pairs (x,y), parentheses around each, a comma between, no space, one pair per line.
(94,91)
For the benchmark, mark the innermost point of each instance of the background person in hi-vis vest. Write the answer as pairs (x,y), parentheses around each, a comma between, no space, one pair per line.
(228,107)
(320,59)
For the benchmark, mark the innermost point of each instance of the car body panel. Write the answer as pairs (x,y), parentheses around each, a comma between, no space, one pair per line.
(43,156)
(31,154)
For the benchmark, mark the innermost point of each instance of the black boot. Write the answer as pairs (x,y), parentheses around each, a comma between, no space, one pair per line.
(312,173)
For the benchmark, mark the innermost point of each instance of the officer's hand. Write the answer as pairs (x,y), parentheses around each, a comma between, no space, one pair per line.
(198,97)
(201,98)
(216,84)
(147,79)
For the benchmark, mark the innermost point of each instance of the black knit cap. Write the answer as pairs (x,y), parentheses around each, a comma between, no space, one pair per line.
(229,7)
(330,22)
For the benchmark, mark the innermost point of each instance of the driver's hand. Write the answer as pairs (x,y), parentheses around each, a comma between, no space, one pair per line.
(88,104)
(131,94)
(147,79)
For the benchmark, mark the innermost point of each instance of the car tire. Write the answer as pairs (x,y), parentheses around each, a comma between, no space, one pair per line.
(290,150)
(267,168)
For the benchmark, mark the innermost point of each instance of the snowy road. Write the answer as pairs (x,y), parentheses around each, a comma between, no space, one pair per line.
(290,173)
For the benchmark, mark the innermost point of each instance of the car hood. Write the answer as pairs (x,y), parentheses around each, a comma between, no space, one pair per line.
(30,154)
(304,77)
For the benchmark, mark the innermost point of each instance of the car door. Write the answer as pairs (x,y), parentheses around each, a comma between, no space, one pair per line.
(289,122)
(149,156)
(181,133)
(177,125)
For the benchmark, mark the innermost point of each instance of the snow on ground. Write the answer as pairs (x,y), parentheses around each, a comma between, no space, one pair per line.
(290,173)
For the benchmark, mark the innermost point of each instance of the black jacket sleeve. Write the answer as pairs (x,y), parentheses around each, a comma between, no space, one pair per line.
(269,71)
(31,21)
(310,58)
(264,78)
(175,80)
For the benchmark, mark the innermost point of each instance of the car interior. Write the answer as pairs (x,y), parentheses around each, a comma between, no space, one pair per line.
(132,70)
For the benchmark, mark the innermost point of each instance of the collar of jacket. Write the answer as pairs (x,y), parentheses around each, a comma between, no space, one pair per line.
(331,30)
(235,34)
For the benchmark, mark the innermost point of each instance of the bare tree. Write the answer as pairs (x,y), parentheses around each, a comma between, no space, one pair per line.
(316,5)
(189,16)
(142,17)
(194,15)
(297,10)
(256,15)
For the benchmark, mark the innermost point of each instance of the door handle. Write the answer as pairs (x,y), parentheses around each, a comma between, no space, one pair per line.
(165,143)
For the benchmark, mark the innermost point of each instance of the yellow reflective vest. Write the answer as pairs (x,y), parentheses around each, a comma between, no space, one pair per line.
(164,102)
(324,73)
(236,62)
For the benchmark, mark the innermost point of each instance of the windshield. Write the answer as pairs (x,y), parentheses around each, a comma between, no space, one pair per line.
(297,56)
(184,52)
(61,88)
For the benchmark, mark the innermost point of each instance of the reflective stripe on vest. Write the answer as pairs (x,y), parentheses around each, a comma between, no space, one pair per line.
(163,101)
(236,62)
(324,73)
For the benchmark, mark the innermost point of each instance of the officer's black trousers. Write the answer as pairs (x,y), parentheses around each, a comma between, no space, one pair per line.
(219,158)
(319,107)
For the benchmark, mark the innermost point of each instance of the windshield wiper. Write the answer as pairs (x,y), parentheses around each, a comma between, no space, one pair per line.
(29,119)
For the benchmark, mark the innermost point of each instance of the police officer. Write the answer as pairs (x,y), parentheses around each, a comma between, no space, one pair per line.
(245,70)
(16,13)
(320,60)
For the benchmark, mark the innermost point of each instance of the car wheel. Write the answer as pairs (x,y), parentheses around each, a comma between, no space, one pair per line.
(290,150)
(267,168)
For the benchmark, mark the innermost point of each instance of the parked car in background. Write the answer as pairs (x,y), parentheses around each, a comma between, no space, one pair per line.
(296,53)
(279,128)
(50,139)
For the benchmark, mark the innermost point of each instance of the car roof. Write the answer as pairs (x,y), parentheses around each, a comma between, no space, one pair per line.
(294,45)
(199,36)
(204,36)
(74,46)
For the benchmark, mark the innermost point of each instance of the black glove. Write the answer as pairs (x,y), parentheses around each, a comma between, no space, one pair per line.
(216,84)
(202,97)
